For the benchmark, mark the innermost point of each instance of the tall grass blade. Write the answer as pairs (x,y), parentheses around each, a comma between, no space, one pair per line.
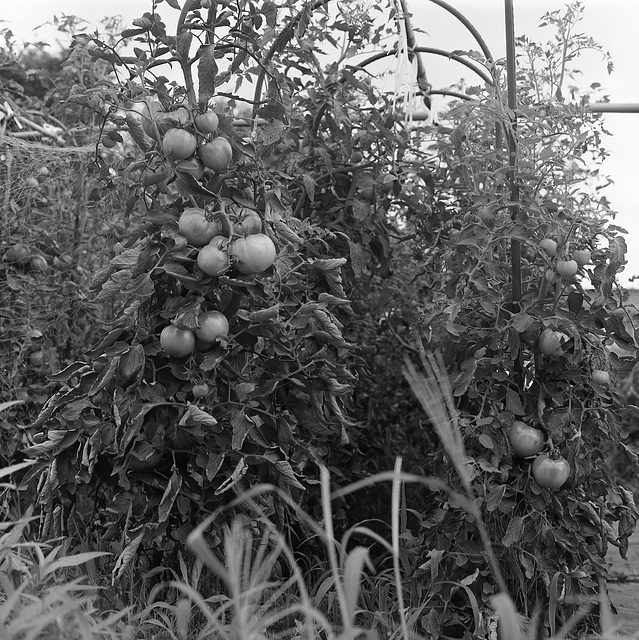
(507,618)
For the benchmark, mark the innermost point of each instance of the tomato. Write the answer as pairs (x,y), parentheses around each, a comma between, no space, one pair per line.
(550,472)
(552,276)
(200,390)
(356,157)
(249,224)
(549,246)
(582,256)
(213,259)
(217,154)
(599,376)
(196,228)
(39,263)
(567,268)
(18,253)
(253,254)
(152,111)
(192,166)
(525,440)
(550,342)
(177,342)
(213,324)
(367,194)
(207,122)
(179,144)
(387,182)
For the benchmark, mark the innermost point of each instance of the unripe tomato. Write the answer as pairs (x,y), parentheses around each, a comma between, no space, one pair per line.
(213,324)
(194,226)
(525,440)
(179,144)
(207,122)
(567,268)
(200,390)
(217,154)
(178,343)
(367,194)
(356,157)
(249,224)
(582,256)
(552,276)
(549,246)
(387,182)
(253,254)
(212,259)
(39,263)
(550,342)
(599,376)
(550,472)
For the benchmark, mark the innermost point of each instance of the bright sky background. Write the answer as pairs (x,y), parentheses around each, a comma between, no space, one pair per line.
(612,23)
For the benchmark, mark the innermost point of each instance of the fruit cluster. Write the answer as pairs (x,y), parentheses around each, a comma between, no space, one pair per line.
(244,248)
(550,470)
(193,142)
(563,269)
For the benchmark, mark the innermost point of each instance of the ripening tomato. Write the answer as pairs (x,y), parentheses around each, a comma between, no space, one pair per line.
(599,376)
(367,194)
(550,472)
(582,256)
(179,144)
(196,228)
(549,246)
(213,259)
(207,122)
(253,254)
(567,268)
(550,342)
(178,343)
(525,440)
(213,324)
(217,154)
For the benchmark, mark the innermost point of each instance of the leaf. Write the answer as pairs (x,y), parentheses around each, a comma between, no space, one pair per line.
(356,560)
(137,132)
(72,561)
(522,321)
(170,494)
(238,473)
(196,416)
(242,425)
(206,72)
(127,556)
(513,403)
(465,377)
(575,301)
(495,497)
(74,369)
(514,531)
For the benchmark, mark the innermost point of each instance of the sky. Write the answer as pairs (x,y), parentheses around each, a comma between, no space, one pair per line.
(614,24)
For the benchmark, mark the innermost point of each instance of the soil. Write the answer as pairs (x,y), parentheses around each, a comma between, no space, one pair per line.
(623,588)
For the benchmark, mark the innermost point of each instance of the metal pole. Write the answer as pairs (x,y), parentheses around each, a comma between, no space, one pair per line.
(613,107)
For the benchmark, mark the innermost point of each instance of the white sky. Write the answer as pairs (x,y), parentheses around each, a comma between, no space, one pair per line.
(612,23)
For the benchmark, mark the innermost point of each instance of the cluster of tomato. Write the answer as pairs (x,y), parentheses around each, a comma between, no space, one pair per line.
(193,143)
(550,470)
(564,269)
(245,249)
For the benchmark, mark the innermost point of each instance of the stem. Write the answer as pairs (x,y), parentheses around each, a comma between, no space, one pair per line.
(184,63)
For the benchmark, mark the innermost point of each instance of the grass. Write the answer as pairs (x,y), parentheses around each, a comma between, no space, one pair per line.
(258,590)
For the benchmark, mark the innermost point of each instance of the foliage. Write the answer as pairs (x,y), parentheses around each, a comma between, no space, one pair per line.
(550,545)
(391,236)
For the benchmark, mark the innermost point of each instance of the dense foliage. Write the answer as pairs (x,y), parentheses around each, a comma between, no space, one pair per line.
(276,263)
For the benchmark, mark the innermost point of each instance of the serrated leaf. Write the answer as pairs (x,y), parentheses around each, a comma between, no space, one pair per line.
(195,415)
(513,403)
(522,321)
(74,369)
(514,531)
